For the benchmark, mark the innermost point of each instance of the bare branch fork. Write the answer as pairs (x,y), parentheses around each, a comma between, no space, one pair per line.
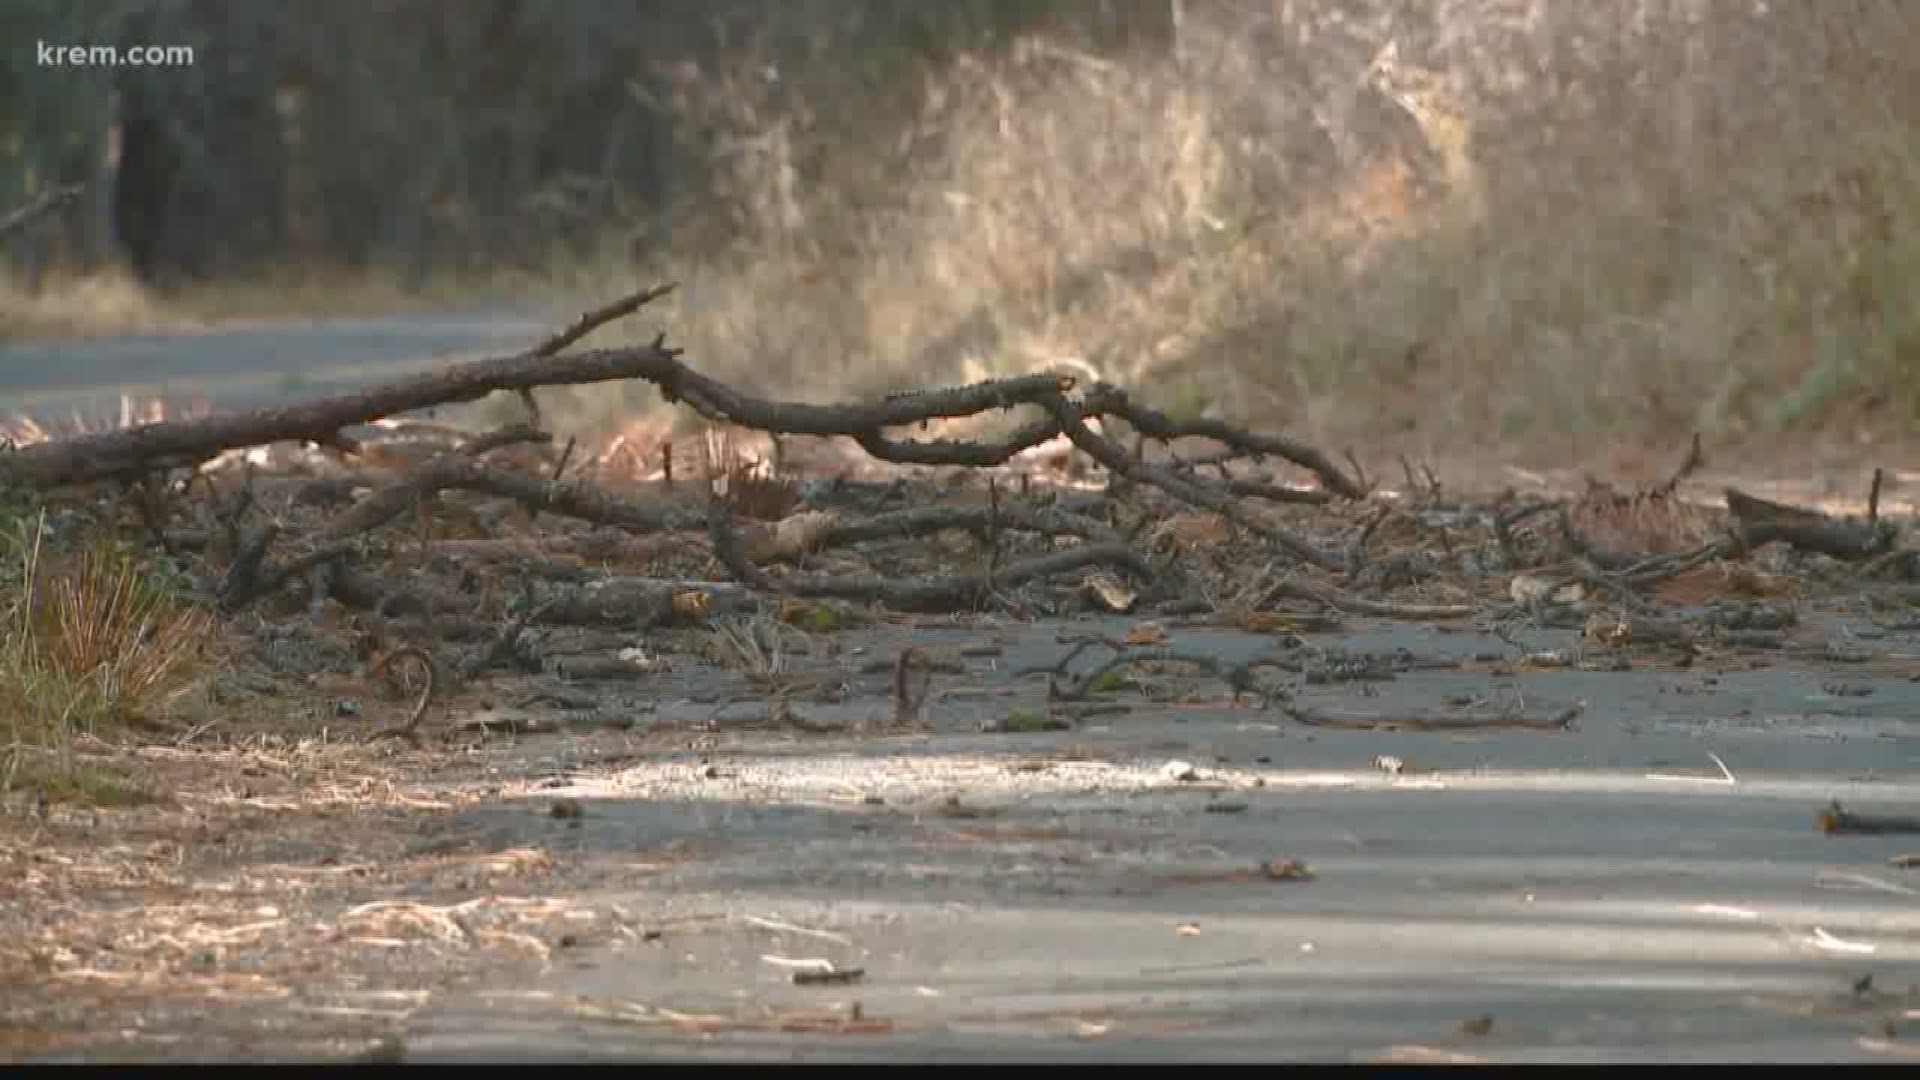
(19,218)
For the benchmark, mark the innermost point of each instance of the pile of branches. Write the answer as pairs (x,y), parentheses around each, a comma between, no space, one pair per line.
(487,586)
(148,460)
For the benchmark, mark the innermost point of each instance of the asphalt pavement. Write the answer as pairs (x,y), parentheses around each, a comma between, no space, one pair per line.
(1647,886)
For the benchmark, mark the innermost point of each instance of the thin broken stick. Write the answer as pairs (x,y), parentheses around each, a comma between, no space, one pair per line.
(1560,721)
(1838,821)
(782,927)
(406,729)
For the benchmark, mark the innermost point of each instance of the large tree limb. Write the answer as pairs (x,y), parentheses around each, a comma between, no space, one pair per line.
(176,443)
(1759,521)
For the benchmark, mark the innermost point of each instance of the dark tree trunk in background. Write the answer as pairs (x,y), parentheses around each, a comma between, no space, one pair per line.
(201,187)
(150,169)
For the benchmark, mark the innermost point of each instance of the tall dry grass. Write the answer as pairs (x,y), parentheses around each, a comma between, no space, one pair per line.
(90,641)
(70,305)
(1592,265)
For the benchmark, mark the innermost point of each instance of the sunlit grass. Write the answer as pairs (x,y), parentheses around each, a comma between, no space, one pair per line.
(90,642)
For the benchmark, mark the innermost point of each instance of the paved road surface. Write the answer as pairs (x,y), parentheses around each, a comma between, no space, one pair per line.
(241,367)
(1601,894)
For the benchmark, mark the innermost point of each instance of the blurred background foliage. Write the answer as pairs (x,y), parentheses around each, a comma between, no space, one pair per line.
(1489,215)
(428,132)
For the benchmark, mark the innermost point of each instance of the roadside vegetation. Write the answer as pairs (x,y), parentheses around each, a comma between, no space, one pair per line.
(95,640)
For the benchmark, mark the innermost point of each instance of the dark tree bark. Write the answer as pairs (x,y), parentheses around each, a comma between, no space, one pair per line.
(201,186)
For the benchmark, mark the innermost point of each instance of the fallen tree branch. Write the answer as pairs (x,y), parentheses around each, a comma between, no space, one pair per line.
(601,545)
(1503,526)
(356,589)
(571,498)
(954,451)
(864,424)
(1237,675)
(1560,721)
(923,520)
(943,594)
(1116,460)
(1838,821)
(1903,562)
(172,443)
(599,317)
(1761,521)
(116,452)
(245,564)
(1281,493)
(1299,588)
(1659,568)
(1695,459)
(511,435)
(408,728)
(627,603)
(722,404)
(1104,399)
(632,603)
(341,536)
(727,548)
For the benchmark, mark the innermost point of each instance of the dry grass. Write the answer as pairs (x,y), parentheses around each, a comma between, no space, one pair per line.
(112,301)
(1143,220)
(91,642)
(65,305)
(750,486)
(307,291)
